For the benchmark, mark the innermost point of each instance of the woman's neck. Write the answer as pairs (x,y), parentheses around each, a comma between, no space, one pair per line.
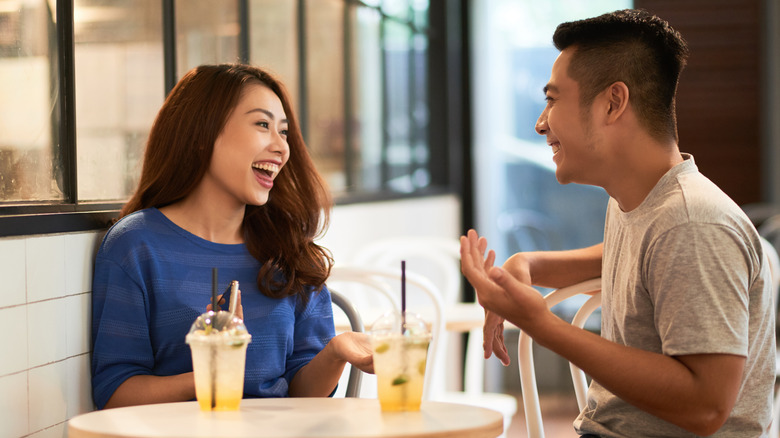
(207,219)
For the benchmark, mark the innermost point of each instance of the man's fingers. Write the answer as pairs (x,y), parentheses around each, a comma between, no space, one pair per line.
(491,258)
(501,353)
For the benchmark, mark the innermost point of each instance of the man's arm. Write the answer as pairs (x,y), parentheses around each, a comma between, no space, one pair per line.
(556,269)
(695,392)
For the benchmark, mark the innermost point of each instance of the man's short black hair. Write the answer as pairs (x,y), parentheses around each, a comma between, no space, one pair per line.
(636,48)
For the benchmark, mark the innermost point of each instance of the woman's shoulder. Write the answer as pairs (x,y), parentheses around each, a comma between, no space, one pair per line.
(147,225)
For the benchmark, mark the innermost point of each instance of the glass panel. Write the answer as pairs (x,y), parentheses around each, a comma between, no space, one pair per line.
(119,88)
(268,19)
(206,33)
(366,124)
(421,175)
(29,148)
(420,13)
(399,67)
(325,78)
(399,9)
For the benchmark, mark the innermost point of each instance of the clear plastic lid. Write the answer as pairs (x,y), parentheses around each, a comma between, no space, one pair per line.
(391,322)
(218,327)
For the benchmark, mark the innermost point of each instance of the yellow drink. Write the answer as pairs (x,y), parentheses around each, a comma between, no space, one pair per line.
(228,363)
(218,360)
(399,364)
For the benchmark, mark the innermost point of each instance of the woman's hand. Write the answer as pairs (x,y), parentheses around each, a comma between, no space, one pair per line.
(321,375)
(239,308)
(355,348)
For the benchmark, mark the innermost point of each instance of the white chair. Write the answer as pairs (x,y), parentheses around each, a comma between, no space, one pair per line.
(356,325)
(774,268)
(439,259)
(533,413)
(355,281)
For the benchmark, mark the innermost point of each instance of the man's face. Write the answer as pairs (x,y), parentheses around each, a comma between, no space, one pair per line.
(567,126)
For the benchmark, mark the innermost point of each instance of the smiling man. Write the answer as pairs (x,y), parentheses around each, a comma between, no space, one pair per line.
(687,345)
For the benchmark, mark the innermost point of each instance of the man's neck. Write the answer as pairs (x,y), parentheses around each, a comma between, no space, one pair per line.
(640,171)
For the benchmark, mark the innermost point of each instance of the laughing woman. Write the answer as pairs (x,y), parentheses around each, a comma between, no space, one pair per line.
(227,182)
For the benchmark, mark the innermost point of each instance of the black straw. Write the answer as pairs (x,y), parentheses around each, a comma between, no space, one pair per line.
(213,326)
(214,289)
(403,295)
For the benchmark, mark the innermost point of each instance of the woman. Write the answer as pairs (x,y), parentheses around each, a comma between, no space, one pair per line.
(225,138)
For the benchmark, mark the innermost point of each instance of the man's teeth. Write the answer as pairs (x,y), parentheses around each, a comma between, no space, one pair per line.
(555,148)
(270,167)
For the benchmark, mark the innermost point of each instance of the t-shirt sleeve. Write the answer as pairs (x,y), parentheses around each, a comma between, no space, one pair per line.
(698,279)
(313,330)
(120,330)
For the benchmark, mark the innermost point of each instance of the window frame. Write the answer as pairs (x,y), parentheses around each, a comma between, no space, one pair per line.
(449,119)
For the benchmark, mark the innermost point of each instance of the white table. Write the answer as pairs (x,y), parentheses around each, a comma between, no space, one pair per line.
(289,417)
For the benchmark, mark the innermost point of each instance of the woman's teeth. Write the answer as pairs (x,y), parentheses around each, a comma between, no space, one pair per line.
(271,168)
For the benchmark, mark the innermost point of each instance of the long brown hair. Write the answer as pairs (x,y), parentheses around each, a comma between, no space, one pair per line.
(279,234)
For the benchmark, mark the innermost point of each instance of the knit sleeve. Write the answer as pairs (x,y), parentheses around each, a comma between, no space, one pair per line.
(313,330)
(120,329)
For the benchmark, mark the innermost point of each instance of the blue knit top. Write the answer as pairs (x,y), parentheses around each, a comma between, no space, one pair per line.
(152,279)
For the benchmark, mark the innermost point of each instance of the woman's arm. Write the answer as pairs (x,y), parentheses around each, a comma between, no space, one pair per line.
(320,376)
(146,389)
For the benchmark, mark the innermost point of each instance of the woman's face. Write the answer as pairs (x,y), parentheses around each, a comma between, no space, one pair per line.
(251,149)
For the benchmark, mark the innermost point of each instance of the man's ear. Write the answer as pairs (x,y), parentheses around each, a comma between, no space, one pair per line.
(617,101)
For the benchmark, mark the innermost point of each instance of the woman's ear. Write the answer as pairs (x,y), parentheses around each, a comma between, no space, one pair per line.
(617,101)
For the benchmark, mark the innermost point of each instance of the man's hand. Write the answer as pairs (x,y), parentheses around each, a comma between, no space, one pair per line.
(493,328)
(498,291)
(493,337)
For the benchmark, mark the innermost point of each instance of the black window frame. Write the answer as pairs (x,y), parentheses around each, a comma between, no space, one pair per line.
(448,134)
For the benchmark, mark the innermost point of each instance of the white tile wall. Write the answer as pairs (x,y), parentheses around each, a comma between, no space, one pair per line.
(56,431)
(46,327)
(46,296)
(78,315)
(15,359)
(13,405)
(13,287)
(81,249)
(78,399)
(46,387)
(45,266)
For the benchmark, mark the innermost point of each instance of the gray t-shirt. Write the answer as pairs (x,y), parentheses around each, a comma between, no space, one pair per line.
(684,273)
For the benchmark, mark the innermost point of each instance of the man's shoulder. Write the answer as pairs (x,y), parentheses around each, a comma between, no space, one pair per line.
(704,202)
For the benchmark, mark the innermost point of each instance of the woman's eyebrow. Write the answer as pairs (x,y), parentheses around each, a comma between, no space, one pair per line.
(267,113)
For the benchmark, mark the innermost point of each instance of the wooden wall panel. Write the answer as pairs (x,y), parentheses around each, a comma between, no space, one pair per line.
(718,99)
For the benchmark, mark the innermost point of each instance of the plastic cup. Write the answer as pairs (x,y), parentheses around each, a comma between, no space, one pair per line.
(218,343)
(400,359)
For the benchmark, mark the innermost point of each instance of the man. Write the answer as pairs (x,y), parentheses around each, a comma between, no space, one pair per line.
(687,345)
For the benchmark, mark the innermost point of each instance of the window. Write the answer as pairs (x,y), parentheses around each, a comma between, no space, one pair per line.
(118,56)
(82,82)
(30,159)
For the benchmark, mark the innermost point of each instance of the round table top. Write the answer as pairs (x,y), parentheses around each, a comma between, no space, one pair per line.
(290,417)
